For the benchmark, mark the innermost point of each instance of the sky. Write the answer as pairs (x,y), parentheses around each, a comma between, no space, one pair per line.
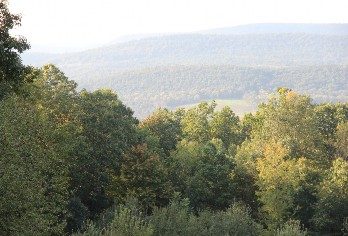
(71,25)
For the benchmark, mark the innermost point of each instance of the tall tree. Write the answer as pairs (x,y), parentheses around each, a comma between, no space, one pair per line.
(109,130)
(33,170)
(40,135)
(280,180)
(289,118)
(12,71)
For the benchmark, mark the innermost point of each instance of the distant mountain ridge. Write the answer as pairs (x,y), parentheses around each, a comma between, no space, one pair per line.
(272,28)
(245,49)
(236,62)
(263,28)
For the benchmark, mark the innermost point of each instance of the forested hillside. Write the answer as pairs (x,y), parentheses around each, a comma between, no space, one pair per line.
(245,49)
(227,65)
(175,86)
(78,162)
(68,157)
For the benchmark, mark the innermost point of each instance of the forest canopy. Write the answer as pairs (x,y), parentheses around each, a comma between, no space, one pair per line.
(78,162)
(68,157)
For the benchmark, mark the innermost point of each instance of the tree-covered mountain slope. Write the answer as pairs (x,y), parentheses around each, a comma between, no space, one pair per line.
(234,63)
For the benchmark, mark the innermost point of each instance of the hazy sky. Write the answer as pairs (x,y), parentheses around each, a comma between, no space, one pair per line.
(75,24)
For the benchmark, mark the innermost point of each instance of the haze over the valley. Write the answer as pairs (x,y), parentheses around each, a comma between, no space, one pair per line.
(65,25)
(177,53)
(238,66)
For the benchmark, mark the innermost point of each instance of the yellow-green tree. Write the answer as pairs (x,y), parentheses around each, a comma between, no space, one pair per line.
(290,119)
(280,179)
(195,122)
(341,143)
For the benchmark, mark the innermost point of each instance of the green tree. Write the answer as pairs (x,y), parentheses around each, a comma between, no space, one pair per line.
(332,207)
(224,125)
(328,117)
(126,220)
(178,219)
(56,95)
(280,180)
(12,71)
(108,130)
(341,143)
(249,123)
(143,176)
(290,119)
(164,125)
(195,122)
(203,175)
(34,175)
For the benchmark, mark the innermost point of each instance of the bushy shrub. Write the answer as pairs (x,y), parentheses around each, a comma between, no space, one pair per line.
(291,228)
(236,220)
(177,219)
(127,221)
(173,219)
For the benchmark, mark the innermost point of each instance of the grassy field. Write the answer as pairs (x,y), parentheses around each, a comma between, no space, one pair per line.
(239,107)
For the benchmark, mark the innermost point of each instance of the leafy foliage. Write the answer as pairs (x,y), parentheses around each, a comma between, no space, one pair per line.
(126,221)
(34,170)
(164,125)
(291,228)
(12,71)
(331,209)
(143,176)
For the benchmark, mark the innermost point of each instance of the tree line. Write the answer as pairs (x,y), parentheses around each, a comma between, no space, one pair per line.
(79,162)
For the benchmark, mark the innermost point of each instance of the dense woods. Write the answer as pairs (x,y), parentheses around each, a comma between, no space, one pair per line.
(79,163)
(176,86)
(68,157)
